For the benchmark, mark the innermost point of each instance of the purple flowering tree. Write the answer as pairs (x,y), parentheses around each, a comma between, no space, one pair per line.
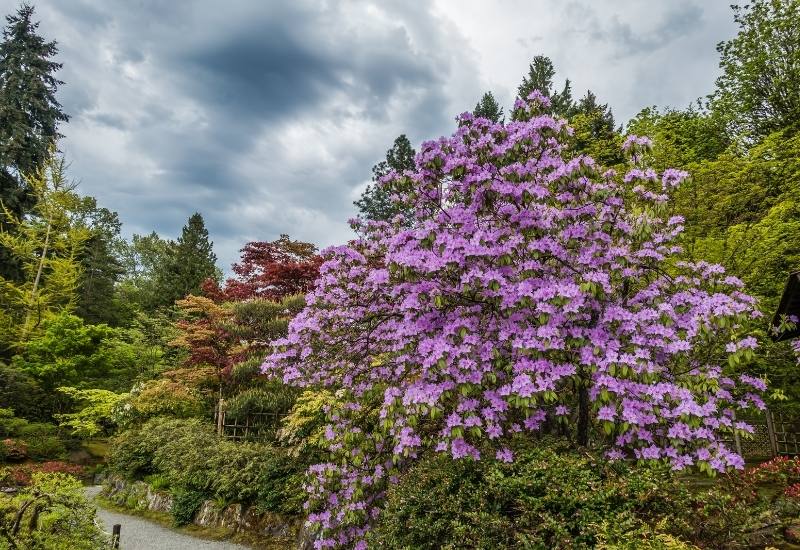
(525,291)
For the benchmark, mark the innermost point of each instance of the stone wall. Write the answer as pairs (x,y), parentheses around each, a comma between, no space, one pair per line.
(273,530)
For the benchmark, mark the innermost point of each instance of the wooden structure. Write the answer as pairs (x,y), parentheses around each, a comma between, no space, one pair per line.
(788,307)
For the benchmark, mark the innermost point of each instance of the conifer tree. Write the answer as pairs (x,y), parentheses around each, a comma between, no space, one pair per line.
(540,77)
(191,260)
(29,118)
(375,202)
(488,107)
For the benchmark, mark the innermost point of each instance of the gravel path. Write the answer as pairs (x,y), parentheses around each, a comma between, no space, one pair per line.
(140,534)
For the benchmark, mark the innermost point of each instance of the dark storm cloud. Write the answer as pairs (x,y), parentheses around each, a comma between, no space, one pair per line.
(267,116)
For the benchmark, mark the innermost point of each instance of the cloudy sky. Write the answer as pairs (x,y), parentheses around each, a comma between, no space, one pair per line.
(267,116)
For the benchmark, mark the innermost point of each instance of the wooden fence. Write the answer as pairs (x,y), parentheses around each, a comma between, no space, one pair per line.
(774,434)
(257,426)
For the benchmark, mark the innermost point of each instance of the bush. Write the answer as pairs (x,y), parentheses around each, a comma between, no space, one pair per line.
(22,475)
(188,456)
(45,446)
(185,505)
(549,497)
(54,515)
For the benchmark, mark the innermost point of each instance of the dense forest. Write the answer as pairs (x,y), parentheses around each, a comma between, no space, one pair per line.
(143,343)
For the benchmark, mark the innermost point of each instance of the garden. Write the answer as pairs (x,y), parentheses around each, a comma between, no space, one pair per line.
(549,331)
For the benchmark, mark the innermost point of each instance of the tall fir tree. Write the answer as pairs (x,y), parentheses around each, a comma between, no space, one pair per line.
(98,301)
(29,117)
(488,107)
(540,77)
(191,260)
(375,202)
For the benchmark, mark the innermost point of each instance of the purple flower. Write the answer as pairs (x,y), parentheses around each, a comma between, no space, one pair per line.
(505,455)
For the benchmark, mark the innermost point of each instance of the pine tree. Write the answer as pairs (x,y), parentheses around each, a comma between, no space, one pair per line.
(488,107)
(375,202)
(29,117)
(191,260)
(540,77)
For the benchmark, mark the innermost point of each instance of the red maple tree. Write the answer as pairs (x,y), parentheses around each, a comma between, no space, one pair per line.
(271,270)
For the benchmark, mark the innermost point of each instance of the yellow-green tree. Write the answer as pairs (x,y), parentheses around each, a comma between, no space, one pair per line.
(47,244)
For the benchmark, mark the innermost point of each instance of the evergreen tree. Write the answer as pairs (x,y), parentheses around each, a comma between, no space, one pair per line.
(375,202)
(540,77)
(190,261)
(488,107)
(29,117)
(97,298)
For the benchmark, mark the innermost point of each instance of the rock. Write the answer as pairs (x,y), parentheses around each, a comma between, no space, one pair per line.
(234,517)
(159,501)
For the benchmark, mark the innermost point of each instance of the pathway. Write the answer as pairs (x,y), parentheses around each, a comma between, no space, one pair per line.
(139,534)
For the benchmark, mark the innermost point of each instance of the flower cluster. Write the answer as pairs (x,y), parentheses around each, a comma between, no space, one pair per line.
(523,288)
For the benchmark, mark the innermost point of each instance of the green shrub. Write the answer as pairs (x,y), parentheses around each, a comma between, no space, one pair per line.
(187,454)
(185,505)
(549,497)
(45,446)
(157,482)
(132,451)
(54,515)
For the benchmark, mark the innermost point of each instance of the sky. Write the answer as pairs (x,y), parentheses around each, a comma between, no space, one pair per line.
(266,117)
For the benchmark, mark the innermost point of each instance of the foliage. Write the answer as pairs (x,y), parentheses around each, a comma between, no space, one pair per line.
(101,268)
(29,110)
(594,133)
(47,245)
(552,496)
(760,69)
(97,412)
(50,514)
(22,475)
(375,202)
(271,270)
(189,262)
(185,505)
(18,390)
(29,119)
(303,430)
(274,398)
(67,351)
(519,300)
(549,497)
(203,334)
(186,451)
(162,397)
(141,258)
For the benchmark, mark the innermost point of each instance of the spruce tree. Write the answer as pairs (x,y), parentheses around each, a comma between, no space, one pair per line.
(190,262)
(29,117)
(375,202)
(488,107)
(540,77)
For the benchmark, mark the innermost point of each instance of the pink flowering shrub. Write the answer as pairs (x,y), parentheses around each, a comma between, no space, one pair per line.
(523,290)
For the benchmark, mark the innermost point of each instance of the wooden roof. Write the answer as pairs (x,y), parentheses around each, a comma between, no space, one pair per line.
(790,305)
